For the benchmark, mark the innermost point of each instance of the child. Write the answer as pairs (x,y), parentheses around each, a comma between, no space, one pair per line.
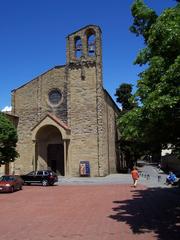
(135,176)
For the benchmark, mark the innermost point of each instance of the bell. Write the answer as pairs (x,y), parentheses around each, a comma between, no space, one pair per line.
(78,47)
(91,49)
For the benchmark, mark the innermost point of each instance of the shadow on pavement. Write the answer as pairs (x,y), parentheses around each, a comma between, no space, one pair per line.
(152,209)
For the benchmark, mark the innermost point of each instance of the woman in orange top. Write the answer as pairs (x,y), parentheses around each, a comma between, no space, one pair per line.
(135,176)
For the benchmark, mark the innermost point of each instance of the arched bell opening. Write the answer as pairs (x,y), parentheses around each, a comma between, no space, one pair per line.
(50,150)
(91,42)
(78,47)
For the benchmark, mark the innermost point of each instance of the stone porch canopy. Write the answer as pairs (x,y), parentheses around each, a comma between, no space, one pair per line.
(52,120)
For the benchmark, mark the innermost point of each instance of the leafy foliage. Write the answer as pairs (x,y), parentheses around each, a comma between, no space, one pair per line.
(144,17)
(155,122)
(124,96)
(8,140)
(129,147)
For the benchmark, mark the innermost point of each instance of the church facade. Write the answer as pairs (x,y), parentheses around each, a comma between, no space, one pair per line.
(65,116)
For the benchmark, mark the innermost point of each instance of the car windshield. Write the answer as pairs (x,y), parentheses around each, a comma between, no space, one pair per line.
(6,178)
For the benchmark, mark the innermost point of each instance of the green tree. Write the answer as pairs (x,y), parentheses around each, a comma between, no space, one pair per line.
(130,149)
(156,120)
(124,97)
(8,140)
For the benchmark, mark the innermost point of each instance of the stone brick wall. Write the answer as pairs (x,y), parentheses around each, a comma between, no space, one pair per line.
(86,109)
(85,101)
(30,103)
(111,129)
(83,119)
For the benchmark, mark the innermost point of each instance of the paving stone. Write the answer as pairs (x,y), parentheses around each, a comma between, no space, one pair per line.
(91,212)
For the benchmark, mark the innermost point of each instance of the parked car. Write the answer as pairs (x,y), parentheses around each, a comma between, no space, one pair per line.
(10,183)
(45,177)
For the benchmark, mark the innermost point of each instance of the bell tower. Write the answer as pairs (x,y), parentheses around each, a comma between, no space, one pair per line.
(84,44)
(85,96)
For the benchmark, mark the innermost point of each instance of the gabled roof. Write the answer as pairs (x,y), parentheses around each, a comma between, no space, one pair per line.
(55,67)
(113,102)
(87,26)
(55,119)
(10,114)
(50,119)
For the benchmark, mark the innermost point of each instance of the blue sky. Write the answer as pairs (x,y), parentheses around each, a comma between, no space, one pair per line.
(33,38)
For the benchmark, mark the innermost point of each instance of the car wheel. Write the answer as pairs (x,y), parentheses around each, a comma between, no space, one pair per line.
(20,187)
(44,182)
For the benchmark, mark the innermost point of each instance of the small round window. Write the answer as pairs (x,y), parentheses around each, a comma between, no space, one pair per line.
(55,96)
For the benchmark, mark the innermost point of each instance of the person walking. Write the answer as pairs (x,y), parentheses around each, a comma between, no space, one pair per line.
(135,176)
(171,178)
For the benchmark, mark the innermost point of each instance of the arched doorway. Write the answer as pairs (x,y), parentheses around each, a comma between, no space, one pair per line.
(50,149)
